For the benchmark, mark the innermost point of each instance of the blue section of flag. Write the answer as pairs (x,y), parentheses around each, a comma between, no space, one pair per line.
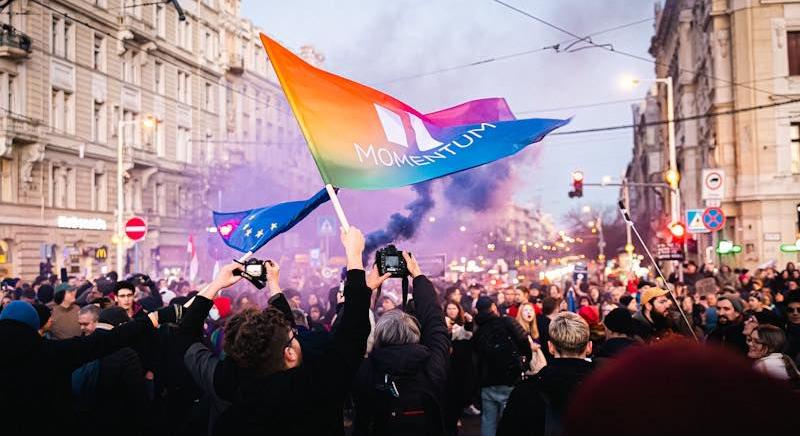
(249,230)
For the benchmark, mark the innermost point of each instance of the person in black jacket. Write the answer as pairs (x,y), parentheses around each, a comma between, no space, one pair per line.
(502,350)
(618,325)
(40,369)
(536,405)
(400,388)
(266,384)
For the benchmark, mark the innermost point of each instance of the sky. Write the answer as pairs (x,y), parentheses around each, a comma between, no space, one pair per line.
(384,43)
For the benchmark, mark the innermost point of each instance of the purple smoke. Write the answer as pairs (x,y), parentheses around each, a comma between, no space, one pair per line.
(400,226)
(479,188)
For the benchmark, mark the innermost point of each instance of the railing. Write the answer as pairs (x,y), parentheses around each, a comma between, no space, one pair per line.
(10,37)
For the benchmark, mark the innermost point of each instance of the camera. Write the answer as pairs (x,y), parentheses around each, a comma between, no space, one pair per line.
(254,271)
(390,260)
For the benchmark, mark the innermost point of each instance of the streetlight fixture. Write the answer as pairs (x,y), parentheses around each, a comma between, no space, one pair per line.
(675,193)
(148,122)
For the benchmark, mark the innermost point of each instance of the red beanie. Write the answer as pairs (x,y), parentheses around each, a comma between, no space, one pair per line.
(590,315)
(223,305)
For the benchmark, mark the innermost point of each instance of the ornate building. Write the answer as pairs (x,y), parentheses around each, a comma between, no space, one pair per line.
(736,69)
(189,99)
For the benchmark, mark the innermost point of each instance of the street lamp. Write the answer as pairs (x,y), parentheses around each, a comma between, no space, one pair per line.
(675,194)
(148,123)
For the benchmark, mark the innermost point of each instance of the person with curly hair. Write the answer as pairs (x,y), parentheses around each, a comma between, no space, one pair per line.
(264,384)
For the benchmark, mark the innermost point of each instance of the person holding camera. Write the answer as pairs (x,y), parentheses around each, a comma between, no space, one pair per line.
(400,387)
(264,384)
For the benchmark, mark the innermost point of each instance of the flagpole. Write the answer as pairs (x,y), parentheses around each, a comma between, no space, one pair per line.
(245,256)
(337,207)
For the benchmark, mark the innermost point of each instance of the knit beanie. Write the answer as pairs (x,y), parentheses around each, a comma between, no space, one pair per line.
(43,312)
(619,320)
(736,302)
(23,312)
(45,294)
(223,305)
(114,316)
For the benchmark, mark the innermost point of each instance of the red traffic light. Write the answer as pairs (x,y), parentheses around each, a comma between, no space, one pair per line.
(678,231)
(577,184)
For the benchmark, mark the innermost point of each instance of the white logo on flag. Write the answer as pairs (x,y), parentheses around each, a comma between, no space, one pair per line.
(395,132)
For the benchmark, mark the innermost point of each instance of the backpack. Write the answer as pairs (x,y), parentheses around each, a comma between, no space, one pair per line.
(403,404)
(84,385)
(499,354)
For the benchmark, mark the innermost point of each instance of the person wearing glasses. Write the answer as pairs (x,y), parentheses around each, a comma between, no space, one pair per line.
(792,303)
(265,385)
(764,346)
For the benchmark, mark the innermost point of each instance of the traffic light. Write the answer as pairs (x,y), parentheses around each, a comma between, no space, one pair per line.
(577,185)
(678,232)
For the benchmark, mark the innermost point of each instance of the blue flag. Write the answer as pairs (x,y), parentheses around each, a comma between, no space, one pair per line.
(249,230)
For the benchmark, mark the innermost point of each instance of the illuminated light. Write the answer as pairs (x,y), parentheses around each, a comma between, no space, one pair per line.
(628,81)
(521,242)
(530,244)
(463,260)
(149,122)
(590,223)
(672,177)
(629,248)
(586,209)
(115,239)
(678,231)
(508,239)
(594,230)
(432,219)
(536,245)
(605,180)
(463,228)
(211,229)
(577,176)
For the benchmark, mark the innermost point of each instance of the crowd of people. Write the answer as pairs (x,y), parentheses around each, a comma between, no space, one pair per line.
(139,356)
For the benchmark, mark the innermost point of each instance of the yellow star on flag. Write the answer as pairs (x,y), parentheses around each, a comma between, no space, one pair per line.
(273,226)
(260,233)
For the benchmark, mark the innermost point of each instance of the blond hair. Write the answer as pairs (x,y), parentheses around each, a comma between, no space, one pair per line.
(569,334)
(530,327)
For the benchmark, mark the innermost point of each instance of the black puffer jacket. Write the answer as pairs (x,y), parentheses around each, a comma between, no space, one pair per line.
(490,324)
(429,358)
(543,396)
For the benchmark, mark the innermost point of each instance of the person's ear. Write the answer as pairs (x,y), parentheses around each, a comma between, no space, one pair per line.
(290,357)
(589,348)
(551,348)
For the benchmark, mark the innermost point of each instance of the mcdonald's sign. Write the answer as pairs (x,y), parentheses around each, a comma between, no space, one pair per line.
(101,253)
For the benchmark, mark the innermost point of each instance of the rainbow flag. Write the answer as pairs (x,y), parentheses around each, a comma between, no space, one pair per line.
(364,139)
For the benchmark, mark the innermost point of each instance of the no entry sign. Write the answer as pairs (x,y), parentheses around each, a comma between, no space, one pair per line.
(136,228)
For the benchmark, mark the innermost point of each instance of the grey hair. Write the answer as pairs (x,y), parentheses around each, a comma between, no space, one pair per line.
(396,327)
(91,309)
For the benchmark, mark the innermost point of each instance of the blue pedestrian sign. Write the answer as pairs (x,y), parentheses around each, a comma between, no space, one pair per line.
(694,221)
(325,226)
(713,219)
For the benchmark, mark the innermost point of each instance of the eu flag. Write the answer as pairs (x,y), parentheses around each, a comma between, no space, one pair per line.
(249,230)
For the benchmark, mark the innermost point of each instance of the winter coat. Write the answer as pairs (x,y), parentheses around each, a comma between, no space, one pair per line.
(612,348)
(488,324)
(642,327)
(430,357)
(282,403)
(526,411)
(730,335)
(39,374)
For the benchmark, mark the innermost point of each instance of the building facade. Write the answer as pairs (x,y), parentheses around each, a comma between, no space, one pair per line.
(188,99)
(735,65)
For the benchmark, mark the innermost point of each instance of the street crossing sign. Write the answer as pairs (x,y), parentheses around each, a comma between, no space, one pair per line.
(325,226)
(694,221)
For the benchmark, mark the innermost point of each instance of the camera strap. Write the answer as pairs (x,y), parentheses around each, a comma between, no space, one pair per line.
(405,291)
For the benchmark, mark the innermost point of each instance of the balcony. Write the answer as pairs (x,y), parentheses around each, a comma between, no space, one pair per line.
(140,31)
(235,64)
(18,129)
(14,44)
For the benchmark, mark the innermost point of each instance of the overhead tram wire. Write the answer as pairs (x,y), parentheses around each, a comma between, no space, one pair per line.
(165,60)
(610,48)
(508,56)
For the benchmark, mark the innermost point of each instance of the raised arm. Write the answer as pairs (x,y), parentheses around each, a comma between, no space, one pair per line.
(431,319)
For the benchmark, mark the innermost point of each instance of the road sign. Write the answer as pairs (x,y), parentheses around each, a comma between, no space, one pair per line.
(669,251)
(713,184)
(136,228)
(713,218)
(694,221)
(325,226)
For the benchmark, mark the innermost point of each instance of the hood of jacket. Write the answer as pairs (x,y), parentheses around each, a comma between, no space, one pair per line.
(560,378)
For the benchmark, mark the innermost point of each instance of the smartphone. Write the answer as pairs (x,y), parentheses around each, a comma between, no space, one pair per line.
(64,278)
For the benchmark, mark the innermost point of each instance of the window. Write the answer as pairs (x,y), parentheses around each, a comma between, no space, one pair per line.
(100,192)
(793,50)
(159,78)
(183,145)
(795,148)
(130,130)
(208,97)
(159,133)
(209,147)
(131,68)
(184,87)
(161,21)
(98,55)
(10,102)
(183,35)
(6,189)
(63,187)
(62,111)
(62,37)
(99,122)
(160,199)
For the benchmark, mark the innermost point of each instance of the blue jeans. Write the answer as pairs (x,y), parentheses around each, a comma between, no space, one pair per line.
(493,400)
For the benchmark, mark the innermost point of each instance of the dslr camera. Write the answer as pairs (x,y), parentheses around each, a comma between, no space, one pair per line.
(254,271)
(390,260)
